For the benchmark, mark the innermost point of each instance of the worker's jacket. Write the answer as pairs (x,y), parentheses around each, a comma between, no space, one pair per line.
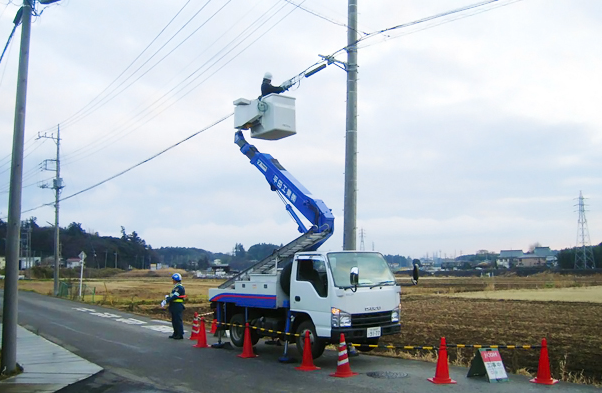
(177,295)
(267,88)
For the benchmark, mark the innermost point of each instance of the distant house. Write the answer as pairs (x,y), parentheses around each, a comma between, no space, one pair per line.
(508,258)
(531,260)
(219,268)
(28,263)
(72,263)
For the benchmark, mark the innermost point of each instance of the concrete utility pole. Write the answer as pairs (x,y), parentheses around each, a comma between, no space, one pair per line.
(350,205)
(10,307)
(57,186)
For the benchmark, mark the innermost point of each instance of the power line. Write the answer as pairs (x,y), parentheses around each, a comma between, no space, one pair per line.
(133,166)
(298,76)
(130,65)
(110,97)
(186,82)
(314,13)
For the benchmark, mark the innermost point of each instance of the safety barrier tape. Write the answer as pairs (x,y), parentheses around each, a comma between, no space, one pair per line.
(406,347)
(259,328)
(503,346)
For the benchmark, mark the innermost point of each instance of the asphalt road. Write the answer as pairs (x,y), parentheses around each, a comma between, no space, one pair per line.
(138,357)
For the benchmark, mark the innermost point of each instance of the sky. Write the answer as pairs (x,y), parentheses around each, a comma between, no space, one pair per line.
(476,131)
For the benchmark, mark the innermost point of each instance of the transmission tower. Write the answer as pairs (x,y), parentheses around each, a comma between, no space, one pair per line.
(362,233)
(584,255)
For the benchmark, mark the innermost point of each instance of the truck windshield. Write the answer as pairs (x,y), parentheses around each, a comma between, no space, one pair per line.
(373,268)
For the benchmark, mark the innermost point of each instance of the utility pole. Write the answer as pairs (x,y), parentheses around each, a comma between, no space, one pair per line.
(350,203)
(362,233)
(57,186)
(115,259)
(106,256)
(10,307)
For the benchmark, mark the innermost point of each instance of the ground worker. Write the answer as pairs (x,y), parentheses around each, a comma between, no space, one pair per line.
(175,302)
(267,88)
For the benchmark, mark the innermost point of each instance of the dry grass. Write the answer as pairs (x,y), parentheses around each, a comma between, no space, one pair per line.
(559,294)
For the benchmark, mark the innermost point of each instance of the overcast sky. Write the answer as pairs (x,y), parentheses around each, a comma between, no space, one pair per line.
(477,133)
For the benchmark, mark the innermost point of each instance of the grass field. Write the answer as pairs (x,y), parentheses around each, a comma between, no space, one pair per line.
(566,310)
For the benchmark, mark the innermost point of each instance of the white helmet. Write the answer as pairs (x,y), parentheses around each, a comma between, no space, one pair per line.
(267,75)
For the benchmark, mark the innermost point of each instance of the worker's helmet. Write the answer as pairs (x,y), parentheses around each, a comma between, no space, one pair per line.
(267,75)
(176,276)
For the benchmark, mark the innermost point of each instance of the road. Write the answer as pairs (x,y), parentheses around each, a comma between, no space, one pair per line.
(138,357)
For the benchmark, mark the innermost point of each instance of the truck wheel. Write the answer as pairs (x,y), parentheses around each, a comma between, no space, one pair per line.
(237,333)
(317,345)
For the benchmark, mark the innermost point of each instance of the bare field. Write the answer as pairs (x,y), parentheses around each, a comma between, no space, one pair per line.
(583,294)
(438,307)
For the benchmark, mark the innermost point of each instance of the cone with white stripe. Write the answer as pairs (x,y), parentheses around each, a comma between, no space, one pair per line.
(195,327)
(343,368)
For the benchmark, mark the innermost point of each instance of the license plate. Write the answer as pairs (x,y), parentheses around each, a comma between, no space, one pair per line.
(373,332)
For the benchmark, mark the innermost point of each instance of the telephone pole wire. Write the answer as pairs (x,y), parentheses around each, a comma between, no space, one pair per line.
(350,203)
(10,307)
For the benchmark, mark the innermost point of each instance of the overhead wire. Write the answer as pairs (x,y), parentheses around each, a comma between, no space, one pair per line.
(131,63)
(314,13)
(330,59)
(133,166)
(113,134)
(495,4)
(182,141)
(256,24)
(111,96)
(299,76)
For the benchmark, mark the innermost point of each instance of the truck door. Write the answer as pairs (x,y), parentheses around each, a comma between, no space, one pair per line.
(309,293)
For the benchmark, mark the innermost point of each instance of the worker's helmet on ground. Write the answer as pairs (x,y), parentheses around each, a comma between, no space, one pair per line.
(267,75)
(176,276)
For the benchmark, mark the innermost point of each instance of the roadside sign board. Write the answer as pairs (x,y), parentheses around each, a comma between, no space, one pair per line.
(82,255)
(488,361)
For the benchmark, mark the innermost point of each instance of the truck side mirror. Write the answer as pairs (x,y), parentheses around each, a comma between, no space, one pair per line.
(354,275)
(415,275)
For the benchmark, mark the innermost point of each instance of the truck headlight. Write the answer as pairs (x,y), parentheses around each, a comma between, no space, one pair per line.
(340,318)
(395,314)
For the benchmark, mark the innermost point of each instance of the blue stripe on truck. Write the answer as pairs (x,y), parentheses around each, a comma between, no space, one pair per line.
(246,300)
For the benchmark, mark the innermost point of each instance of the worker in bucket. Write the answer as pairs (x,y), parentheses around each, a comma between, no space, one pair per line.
(267,88)
(175,302)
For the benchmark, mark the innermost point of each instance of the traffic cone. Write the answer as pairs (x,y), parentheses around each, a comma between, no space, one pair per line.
(442,371)
(308,360)
(343,369)
(213,326)
(201,336)
(195,327)
(247,347)
(543,370)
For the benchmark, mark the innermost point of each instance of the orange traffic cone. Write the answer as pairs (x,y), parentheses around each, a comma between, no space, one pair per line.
(343,369)
(247,347)
(442,371)
(195,327)
(543,370)
(308,360)
(201,336)
(213,326)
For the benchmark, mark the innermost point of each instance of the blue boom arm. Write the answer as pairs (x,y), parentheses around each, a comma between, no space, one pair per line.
(284,183)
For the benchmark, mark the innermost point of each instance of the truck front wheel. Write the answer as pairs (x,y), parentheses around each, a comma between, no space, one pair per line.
(317,345)
(237,333)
